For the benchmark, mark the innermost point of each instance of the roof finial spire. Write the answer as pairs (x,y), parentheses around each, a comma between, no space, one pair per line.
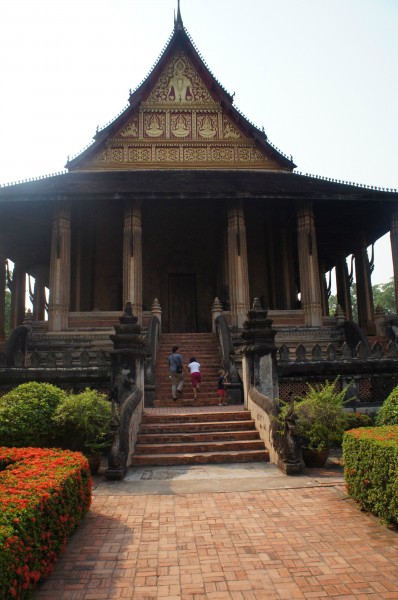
(178,24)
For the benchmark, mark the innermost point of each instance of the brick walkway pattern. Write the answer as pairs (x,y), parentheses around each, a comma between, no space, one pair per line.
(272,544)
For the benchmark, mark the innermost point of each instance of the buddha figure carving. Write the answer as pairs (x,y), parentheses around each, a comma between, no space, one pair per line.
(206,127)
(154,126)
(180,125)
(180,86)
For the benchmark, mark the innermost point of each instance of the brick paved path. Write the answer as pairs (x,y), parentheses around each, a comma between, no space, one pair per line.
(270,544)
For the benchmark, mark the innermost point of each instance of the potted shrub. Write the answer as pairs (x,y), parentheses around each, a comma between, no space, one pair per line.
(321,421)
(83,420)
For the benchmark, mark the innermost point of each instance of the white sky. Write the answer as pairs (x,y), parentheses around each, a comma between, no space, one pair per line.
(319,75)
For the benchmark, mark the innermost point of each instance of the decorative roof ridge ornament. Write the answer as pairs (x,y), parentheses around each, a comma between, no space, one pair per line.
(178,24)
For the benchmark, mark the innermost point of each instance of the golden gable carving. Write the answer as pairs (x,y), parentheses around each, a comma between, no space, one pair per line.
(179,84)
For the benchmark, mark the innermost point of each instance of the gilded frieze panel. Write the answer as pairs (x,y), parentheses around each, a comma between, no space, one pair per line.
(139,154)
(207,126)
(181,125)
(221,154)
(154,125)
(117,155)
(182,155)
(179,84)
(230,132)
(194,155)
(168,154)
(131,129)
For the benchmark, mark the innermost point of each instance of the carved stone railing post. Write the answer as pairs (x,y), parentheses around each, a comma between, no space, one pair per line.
(216,311)
(259,348)
(262,390)
(127,391)
(156,311)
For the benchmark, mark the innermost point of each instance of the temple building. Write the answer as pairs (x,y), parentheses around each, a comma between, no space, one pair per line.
(185,209)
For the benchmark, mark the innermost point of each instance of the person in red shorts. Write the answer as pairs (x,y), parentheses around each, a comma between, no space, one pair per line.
(196,377)
(221,391)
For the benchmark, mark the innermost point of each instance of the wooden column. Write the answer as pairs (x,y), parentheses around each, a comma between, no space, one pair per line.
(324,290)
(18,291)
(2,296)
(394,252)
(237,265)
(60,268)
(343,286)
(132,257)
(308,265)
(287,270)
(39,301)
(366,314)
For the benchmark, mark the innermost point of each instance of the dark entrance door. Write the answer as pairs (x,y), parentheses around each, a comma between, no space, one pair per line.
(182,303)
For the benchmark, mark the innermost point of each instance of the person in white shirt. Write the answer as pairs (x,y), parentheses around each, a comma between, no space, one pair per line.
(196,377)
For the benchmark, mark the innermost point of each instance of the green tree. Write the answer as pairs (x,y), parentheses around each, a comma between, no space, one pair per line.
(384,296)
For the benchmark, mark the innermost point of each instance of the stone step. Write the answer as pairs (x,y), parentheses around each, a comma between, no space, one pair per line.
(183,438)
(200,458)
(199,417)
(196,427)
(199,447)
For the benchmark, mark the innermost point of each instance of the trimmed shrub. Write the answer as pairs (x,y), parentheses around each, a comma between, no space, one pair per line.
(371,470)
(44,494)
(26,415)
(358,419)
(388,413)
(83,421)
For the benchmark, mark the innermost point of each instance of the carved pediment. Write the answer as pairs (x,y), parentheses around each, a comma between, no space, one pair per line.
(179,124)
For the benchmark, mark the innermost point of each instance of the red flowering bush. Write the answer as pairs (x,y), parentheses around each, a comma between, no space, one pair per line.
(44,494)
(371,470)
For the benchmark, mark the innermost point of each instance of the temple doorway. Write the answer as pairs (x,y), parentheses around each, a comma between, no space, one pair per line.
(182,303)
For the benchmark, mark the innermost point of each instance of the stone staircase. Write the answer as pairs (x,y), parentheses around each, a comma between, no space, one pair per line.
(204,346)
(217,436)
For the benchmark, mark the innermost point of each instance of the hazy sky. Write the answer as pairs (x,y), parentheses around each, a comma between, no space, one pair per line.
(319,75)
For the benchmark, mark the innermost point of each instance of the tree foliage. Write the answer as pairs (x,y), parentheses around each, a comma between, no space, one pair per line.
(383,296)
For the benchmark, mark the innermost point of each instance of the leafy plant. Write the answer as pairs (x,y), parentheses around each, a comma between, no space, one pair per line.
(84,420)
(321,419)
(388,413)
(358,419)
(26,415)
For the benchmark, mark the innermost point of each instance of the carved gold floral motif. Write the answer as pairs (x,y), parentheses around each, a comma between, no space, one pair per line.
(167,154)
(100,158)
(222,154)
(139,155)
(131,129)
(179,83)
(154,124)
(195,155)
(207,125)
(117,154)
(180,124)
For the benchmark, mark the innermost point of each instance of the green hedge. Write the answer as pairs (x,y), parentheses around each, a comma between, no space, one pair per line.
(371,470)
(44,494)
(26,415)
